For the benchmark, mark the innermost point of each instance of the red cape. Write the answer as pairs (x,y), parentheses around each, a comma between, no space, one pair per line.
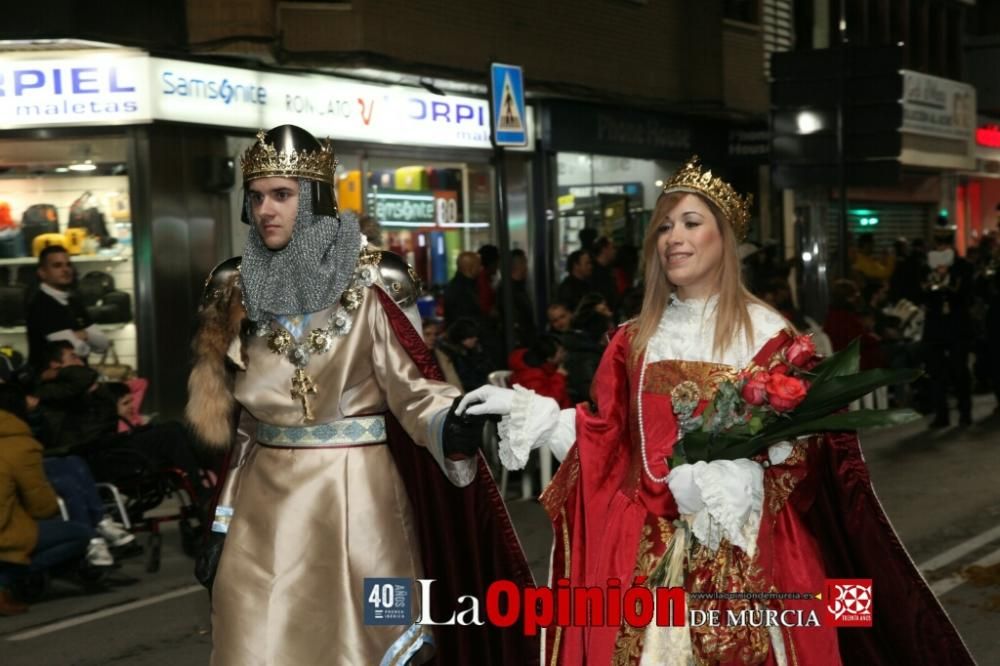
(466,537)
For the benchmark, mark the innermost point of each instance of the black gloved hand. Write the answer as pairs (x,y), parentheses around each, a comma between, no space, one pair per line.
(463,435)
(207,561)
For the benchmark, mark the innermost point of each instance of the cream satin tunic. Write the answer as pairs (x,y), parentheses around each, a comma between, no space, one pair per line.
(308,525)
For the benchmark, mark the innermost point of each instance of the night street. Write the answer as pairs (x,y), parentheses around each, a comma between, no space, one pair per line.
(936,487)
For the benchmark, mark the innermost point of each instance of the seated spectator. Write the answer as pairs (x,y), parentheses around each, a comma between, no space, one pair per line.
(82,417)
(583,352)
(844,323)
(539,368)
(461,348)
(33,536)
(560,318)
(593,317)
(72,480)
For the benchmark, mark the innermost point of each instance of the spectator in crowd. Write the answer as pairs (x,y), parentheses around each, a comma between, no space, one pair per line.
(73,481)
(587,236)
(948,297)
(431,329)
(524,311)
(866,264)
(593,317)
(576,284)
(461,296)
(82,416)
(33,537)
(632,302)
(55,313)
(844,323)
(910,271)
(560,318)
(489,257)
(372,231)
(989,288)
(602,278)
(461,348)
(625,267)
(583,352)
(539,368)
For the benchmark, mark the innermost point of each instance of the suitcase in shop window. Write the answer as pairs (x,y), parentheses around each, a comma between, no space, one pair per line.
(38,219)
(12,304)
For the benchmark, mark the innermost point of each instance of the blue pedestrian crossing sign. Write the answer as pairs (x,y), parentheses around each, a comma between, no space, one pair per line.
(510,121)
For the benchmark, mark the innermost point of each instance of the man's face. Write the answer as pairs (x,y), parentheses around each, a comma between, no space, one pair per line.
(274,204)
(583,267)
(69,358)
(56,271)
(559,319)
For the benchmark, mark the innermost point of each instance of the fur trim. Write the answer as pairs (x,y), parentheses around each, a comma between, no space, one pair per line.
(210,408)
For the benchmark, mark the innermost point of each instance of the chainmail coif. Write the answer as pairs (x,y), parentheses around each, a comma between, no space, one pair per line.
(307,275)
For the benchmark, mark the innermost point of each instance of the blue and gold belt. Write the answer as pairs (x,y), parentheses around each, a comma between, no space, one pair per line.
(347,432)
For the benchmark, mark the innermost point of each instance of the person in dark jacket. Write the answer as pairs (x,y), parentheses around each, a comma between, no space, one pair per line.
(948,299)
(524,311)
(539,368)
(576,285)
(82,416)
(583,352)
(602,277)
(461,296)
(461,346)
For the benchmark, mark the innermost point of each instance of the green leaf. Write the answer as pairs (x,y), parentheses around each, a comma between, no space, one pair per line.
(856,420)
(845,362)
(838,392)
(756,425)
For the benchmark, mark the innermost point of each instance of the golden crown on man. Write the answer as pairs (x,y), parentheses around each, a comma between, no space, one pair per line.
(263,160)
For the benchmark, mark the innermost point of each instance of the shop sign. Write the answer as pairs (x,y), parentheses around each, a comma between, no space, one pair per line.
(933,106)
(397,206)
(749,144)
(135,88)
(988,136)
(92,90)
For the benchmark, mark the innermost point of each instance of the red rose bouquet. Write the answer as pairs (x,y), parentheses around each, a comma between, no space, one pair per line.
(797,393)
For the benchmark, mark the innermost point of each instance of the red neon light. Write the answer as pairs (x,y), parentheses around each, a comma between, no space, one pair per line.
(989,136)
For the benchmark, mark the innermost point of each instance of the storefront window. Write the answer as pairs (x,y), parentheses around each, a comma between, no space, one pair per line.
(427,211)
(71,192)
(613,195)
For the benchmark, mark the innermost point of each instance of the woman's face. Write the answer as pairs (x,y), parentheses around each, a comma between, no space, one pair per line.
(689,246)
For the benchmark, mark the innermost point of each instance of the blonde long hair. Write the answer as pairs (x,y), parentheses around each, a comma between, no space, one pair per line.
(733,308)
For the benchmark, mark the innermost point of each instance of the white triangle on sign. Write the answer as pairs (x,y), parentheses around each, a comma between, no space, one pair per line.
(510,113)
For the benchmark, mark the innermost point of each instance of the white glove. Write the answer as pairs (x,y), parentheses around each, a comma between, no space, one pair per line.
(778,453)
(487,400)
(685,490)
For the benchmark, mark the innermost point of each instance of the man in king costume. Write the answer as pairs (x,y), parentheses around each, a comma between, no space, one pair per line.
(354,464)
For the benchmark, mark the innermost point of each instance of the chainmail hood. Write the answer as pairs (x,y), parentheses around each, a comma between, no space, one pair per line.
(307,275)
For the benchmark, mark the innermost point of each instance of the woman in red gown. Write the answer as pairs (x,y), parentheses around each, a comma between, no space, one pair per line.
(783,523)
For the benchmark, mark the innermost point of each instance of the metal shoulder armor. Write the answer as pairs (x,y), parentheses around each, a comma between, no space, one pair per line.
(399,279)
(221,280)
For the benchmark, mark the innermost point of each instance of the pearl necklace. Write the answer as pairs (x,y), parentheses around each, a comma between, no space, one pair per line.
(642,428)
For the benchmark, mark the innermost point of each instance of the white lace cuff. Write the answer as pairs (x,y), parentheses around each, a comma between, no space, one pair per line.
(530,424)
(733,496)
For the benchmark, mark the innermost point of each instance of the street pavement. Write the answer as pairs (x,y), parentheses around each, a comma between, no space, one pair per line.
(939,488)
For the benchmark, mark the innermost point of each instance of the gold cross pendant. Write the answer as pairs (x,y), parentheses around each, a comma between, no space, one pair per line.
(302,387)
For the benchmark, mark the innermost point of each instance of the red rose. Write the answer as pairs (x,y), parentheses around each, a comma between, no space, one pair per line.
(800,351)
(784,393)
(755,389)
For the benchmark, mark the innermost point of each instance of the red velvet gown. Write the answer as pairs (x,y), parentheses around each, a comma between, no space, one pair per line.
(820,520)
